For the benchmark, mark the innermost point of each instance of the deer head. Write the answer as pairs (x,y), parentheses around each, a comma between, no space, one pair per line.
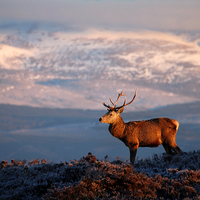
(113,111)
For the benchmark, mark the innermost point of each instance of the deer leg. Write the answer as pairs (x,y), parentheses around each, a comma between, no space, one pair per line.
(177,150)
(167,148)
(132,155)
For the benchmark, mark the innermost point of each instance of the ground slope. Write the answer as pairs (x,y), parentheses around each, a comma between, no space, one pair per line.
(159,177)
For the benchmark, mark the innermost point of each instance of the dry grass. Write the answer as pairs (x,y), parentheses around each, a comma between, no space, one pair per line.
(120,181)
(90,178)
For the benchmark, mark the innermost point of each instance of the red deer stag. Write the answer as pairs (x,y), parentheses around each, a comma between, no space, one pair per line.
(147,133)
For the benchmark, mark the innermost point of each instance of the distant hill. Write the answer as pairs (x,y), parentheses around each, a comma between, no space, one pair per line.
(13,117)
(170,110)
(48,65)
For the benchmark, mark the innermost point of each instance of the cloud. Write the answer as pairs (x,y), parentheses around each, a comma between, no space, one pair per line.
(147,14)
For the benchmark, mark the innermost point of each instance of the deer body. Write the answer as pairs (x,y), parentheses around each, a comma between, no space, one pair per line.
(147,133)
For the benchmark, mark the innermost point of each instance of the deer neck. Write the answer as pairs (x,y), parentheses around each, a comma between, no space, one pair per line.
(117,128)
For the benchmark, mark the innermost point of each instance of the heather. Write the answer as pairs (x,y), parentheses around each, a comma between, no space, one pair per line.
(159,177)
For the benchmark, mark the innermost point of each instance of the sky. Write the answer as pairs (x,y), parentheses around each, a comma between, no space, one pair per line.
(110,14)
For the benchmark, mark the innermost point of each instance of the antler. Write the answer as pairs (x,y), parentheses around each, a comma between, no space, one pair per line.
(108,106)
(126,104)
(119,95)
(114,103)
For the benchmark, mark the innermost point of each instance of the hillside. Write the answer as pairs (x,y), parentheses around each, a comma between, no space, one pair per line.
(158,177)
(48,65)
(13,117)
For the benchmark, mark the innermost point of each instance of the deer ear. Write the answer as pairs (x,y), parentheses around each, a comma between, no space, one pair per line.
(120,110)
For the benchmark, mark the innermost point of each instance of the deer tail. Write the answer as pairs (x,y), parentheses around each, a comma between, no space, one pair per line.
(176,123)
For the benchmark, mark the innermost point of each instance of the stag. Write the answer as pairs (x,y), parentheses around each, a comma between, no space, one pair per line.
(147,133)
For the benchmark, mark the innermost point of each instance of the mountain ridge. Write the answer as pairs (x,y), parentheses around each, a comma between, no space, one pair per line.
(151,60)
(14,117)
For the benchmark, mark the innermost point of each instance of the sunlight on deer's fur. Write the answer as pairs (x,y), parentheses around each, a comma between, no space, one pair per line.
(147,133)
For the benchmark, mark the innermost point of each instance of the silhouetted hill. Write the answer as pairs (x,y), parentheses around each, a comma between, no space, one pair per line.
(13,117)
(170,110)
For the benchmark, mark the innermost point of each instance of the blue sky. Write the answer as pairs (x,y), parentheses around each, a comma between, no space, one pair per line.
(113,14)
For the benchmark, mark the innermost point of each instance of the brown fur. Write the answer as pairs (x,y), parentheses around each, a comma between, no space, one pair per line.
(147,133)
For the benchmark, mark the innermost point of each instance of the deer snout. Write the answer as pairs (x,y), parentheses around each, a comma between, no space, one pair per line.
(102,120)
